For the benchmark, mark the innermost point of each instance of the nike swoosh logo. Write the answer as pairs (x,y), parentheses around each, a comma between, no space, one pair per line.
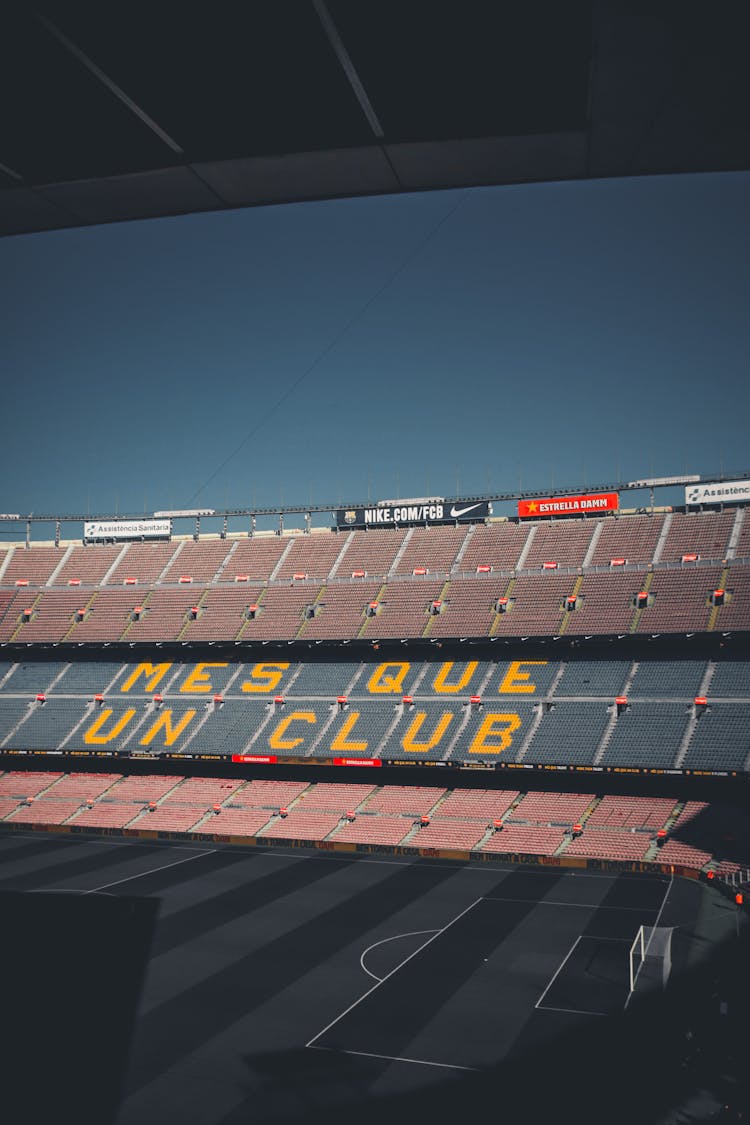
(456,512)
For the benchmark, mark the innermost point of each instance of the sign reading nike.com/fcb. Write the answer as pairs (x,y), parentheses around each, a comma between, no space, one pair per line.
(569,505)
(410,513)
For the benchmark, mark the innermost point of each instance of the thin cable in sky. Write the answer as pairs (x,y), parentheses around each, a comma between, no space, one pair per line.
(285,395)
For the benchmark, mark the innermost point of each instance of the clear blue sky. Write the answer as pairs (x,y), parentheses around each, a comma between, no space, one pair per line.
(447,343)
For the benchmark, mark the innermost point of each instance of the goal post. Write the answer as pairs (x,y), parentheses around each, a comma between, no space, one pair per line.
(637,956)
(650,959)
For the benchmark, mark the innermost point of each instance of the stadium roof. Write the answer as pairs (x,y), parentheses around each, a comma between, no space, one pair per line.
(146,110)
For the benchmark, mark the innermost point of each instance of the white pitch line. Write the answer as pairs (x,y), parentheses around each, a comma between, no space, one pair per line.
(151,871)
(375,944)
(582,905)
(558,970)
(394,1058)
(399,966)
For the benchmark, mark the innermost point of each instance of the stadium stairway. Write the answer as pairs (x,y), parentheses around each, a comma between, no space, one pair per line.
(377,598)
(638,612)
(19,626)
(566,613)
(225,563)
(715,610)
(441,598)
(199,604)
(496,619)
(318,598)
(687,738)
(86,609)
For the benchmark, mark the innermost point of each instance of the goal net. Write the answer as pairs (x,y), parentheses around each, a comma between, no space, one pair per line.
(650,959)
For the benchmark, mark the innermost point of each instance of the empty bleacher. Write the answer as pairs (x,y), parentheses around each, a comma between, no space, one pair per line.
(431,548)
(665,678)
(270,793)
(281,613)
(30,677)
(165,615)
(340,611)
(608,827)
(198,560)
(53,617)
(301,825)
(680,600)
(647,735)
(403,800)
(497,546)
(730,679)
(87,566)
(358,730)
(382,829)
(525,839)
(602,843)
(570,732)
(537,606)
(235,822)
(468,607)
(735,613)
(108,615)
(222,614)
(21,784)
(424,731)
(565,544)
(143,562)
(477,804)
(312,555)
(632,538)
(605,603)
(404,609)
(88,679)
(604,678)
(496,731)
(47,811)
(622,811)
(371,553)
(47,725)
(254,559)
(705,534)
(447,832)
(721,740)
(32,566)
(552,808)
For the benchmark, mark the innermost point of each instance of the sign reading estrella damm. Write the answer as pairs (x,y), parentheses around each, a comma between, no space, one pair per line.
(569,505)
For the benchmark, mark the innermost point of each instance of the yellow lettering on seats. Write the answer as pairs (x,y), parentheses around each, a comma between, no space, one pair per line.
(264,677)
(383,682)
(92,736)
(277,740)
(340,741)
(171,733)
(515,682)
(199,682)
(408,741)
(442,687)
(154,674)
(500,726)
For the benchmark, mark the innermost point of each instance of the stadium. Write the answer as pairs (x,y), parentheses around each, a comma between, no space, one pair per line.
(540,698)
(431,807)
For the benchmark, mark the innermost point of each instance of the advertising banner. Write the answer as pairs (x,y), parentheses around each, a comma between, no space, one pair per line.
(718,492)
(127,529)
(409,513)
(569,505)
